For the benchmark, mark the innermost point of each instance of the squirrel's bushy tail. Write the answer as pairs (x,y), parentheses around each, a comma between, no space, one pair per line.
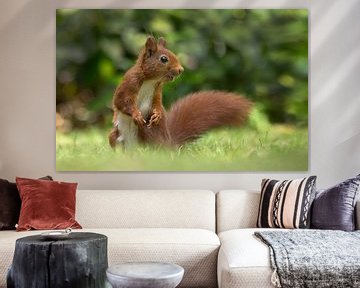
(197,113)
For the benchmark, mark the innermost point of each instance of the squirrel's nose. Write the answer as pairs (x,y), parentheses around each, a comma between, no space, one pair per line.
(181,69)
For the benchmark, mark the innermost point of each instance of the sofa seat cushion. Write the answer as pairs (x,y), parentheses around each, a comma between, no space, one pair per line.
(244,261)
(194,249)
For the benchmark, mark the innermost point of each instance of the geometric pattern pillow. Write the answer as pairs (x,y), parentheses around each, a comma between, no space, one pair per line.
(286,204)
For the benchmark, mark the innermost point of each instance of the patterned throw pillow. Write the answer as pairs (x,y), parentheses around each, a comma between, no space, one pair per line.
(286,204)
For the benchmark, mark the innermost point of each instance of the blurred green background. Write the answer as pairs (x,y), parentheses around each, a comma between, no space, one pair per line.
(262,54)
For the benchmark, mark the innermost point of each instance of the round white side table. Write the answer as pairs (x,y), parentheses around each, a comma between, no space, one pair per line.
(145,275)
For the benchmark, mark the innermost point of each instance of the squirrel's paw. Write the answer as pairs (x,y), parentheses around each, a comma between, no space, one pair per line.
(114,136)
(138,118)
(155,118)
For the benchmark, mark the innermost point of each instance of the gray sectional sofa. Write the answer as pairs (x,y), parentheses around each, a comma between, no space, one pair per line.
(209,234)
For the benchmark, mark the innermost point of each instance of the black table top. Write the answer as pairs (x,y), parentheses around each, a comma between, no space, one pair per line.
(72,238)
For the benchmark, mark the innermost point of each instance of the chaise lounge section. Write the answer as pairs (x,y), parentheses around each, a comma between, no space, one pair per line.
(244,260)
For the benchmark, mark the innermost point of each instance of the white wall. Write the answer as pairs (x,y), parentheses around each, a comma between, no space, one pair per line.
(27,94)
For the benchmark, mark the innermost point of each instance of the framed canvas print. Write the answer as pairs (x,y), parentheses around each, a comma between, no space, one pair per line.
(182,90)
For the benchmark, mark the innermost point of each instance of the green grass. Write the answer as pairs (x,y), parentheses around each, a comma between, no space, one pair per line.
(280,148)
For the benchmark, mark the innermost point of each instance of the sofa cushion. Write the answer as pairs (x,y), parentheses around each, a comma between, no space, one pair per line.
(286,204)
(146,209)
(244,261)
(46,204)
(236,209)
(10,204)
(194,249)
(334,208)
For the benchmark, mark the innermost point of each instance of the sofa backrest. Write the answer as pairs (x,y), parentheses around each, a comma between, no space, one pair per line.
(146,209)
(239,209)
(236,209)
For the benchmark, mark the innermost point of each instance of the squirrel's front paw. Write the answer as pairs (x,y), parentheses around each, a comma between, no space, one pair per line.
(138,118)
(155,117)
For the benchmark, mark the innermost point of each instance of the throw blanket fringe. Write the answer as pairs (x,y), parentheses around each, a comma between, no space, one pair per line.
(275,280)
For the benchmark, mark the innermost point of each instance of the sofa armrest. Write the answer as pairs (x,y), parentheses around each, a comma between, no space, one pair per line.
(357,215)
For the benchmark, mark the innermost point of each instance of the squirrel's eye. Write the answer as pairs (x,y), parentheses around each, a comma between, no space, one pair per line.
(164,59)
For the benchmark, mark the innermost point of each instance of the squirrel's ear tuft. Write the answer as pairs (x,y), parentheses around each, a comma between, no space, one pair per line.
(162,42)
(150,46)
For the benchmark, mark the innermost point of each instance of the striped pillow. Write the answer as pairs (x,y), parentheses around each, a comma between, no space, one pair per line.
(286,204)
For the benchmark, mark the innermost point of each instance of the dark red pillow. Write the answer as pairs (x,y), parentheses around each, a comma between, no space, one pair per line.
(10,204)
(46,204)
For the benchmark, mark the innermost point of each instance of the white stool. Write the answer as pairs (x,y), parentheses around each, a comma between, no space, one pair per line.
(145,275)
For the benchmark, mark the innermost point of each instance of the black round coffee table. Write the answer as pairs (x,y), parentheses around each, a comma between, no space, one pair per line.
(80,261)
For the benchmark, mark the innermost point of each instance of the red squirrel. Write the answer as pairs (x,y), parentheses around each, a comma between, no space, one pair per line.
(139,116)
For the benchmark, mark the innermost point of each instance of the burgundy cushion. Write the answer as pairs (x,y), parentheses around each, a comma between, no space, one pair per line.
(10,203)
(334,208)
(46,204)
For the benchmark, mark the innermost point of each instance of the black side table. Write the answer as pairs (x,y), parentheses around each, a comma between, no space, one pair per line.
(79,261)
